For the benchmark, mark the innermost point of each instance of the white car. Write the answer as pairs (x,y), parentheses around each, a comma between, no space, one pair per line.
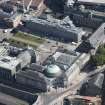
(5,31)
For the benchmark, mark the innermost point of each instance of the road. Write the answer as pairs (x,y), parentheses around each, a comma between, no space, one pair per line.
(51,100)
(41,7)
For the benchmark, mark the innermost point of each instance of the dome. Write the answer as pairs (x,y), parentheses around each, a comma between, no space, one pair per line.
(52,71)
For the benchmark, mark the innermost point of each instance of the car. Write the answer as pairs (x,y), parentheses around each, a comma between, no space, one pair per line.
(73,43)
(5,31)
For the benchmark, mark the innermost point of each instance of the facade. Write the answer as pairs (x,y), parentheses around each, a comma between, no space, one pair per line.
(86,15)
(82,20)
(91,1)
(81,100)
(34,3)
(3,51)
(16,96)
(64,29)
(94,86)
(14,20)
(8,67)
(10,20)
(10,100)
(12,59)
(58,70)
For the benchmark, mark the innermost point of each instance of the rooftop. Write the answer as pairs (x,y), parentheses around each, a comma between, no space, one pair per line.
(93,1)
(14,16)
(3,51)
(34,2)
(8,62)
(65,24)
(97,36)
(52,71)
(32,75)
(5,15)
(63,59)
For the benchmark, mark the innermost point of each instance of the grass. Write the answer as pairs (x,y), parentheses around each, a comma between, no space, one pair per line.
(17,43)
(22,40)
(29,37)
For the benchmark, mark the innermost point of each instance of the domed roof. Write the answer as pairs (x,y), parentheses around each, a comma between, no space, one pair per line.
(52,71)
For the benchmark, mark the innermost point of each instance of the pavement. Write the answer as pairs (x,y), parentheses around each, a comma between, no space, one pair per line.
(49,47)
(4,35)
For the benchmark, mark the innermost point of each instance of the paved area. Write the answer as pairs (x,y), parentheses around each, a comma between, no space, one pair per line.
(49,47)
(5,34)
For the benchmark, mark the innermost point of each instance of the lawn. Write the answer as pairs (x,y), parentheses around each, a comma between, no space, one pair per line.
(29,37)
(22,40)
(16,43)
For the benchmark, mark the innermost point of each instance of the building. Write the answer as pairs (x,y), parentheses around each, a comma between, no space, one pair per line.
(94,41)
(55,6)
(58,70)
(25,58)
(3,51)
(3,15)
(14,20)
(34,3)
(103,91)
(87,21)
(81,100)
(32,79)
(94,5)
(91,2)
(9,20)
(13,59)
(9,66)
(94,86)
(97,38)
(10,100)
(14,96)
(64,65)
(62,29)
(7,6)
(86,15)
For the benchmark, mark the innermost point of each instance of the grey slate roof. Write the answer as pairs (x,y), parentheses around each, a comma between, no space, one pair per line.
(98,36)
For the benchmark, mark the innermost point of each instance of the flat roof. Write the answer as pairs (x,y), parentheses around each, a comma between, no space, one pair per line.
(8,62)
(98,36)
(62,59)
(34,2)
(65,24)
(3,50)
(89,98)
(93,1)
